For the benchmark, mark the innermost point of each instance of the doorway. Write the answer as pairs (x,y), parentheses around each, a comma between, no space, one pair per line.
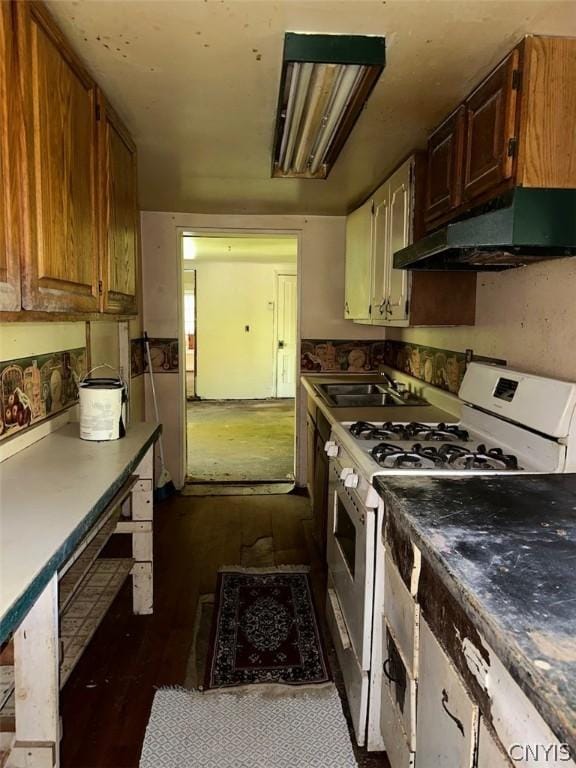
(240,336)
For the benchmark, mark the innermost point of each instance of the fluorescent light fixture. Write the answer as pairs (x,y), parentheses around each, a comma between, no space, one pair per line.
(326,80)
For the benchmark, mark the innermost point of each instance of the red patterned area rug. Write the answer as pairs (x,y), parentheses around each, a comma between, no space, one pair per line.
(265,631)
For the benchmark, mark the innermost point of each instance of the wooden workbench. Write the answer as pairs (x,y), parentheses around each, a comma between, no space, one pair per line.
(60,500)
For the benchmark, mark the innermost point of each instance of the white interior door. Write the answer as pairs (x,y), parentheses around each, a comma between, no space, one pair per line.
(286,336)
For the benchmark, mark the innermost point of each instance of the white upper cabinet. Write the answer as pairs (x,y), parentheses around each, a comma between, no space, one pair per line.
(376,292)
(358,263)
(400,230)
(381,232)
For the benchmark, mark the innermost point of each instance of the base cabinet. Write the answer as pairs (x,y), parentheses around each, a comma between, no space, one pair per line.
(320,503)
(317,471)
(490,753)
(447,718)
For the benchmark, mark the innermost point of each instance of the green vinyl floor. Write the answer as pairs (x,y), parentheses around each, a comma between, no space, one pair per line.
(240,441)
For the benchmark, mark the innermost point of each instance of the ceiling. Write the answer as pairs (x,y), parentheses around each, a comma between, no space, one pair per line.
(264,250)
(197,84)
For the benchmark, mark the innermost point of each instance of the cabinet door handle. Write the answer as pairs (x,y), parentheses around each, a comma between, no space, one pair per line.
(385,668)
(450,715)
(382,306)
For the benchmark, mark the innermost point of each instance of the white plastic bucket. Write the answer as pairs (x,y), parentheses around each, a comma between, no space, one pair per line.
(102,414)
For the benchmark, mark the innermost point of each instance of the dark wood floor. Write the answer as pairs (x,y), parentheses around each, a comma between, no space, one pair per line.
(106,703)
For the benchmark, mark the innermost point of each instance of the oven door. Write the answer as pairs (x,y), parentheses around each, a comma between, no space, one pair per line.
(350,552)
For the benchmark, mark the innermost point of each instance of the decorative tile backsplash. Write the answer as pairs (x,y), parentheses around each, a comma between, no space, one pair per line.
(328,356)
(163,353)
(34,388)
(441,367)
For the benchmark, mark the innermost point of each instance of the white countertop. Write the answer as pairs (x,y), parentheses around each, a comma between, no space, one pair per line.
(50,494)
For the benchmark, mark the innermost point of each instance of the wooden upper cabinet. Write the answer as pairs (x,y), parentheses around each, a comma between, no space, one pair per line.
(516,129)
(60,270)
(546,147)
(444,177)
(10,148)
(119,237)
(491,129)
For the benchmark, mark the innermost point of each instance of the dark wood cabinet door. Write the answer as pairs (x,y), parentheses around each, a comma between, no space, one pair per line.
(119,234)
(10,150)
(444,180)
(490,127)
(310,456)
(60,269)
(320,508)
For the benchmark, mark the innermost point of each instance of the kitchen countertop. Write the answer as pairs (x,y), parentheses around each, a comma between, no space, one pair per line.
(433,412)
(505,547)
(51,494)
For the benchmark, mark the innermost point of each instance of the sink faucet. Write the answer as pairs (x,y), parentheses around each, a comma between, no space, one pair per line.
(396,386)
(386,375)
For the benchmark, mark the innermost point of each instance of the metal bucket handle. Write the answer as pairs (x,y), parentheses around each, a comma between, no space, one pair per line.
(103,365)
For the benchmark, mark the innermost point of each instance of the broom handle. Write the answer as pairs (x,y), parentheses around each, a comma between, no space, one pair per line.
(156,414)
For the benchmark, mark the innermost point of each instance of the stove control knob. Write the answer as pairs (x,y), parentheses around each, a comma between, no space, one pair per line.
(351,481)
(346,472)
(331,448)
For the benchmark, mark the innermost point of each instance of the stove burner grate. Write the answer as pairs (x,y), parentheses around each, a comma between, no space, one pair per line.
(483,459)
(439,431)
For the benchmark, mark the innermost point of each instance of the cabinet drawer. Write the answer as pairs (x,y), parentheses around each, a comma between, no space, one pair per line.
(402,614)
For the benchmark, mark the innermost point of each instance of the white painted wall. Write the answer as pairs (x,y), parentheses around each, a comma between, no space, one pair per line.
(526,316)
(321,280)
(234,363)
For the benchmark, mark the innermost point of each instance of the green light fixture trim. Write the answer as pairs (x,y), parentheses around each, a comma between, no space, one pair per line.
(326,81)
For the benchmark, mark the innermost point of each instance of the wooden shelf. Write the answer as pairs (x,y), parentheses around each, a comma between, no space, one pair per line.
(83,614)
(6,684)
(74,576)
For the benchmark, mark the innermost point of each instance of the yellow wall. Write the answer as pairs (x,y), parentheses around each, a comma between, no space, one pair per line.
(525,316)
(231,362)
(321,271)
(25,339)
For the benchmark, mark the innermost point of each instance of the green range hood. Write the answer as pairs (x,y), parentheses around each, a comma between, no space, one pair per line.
(519,228)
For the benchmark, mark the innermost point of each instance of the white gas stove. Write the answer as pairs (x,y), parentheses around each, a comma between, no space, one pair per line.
(510,422)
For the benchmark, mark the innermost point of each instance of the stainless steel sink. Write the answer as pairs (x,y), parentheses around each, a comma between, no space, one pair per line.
(358,395)
(353,389)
